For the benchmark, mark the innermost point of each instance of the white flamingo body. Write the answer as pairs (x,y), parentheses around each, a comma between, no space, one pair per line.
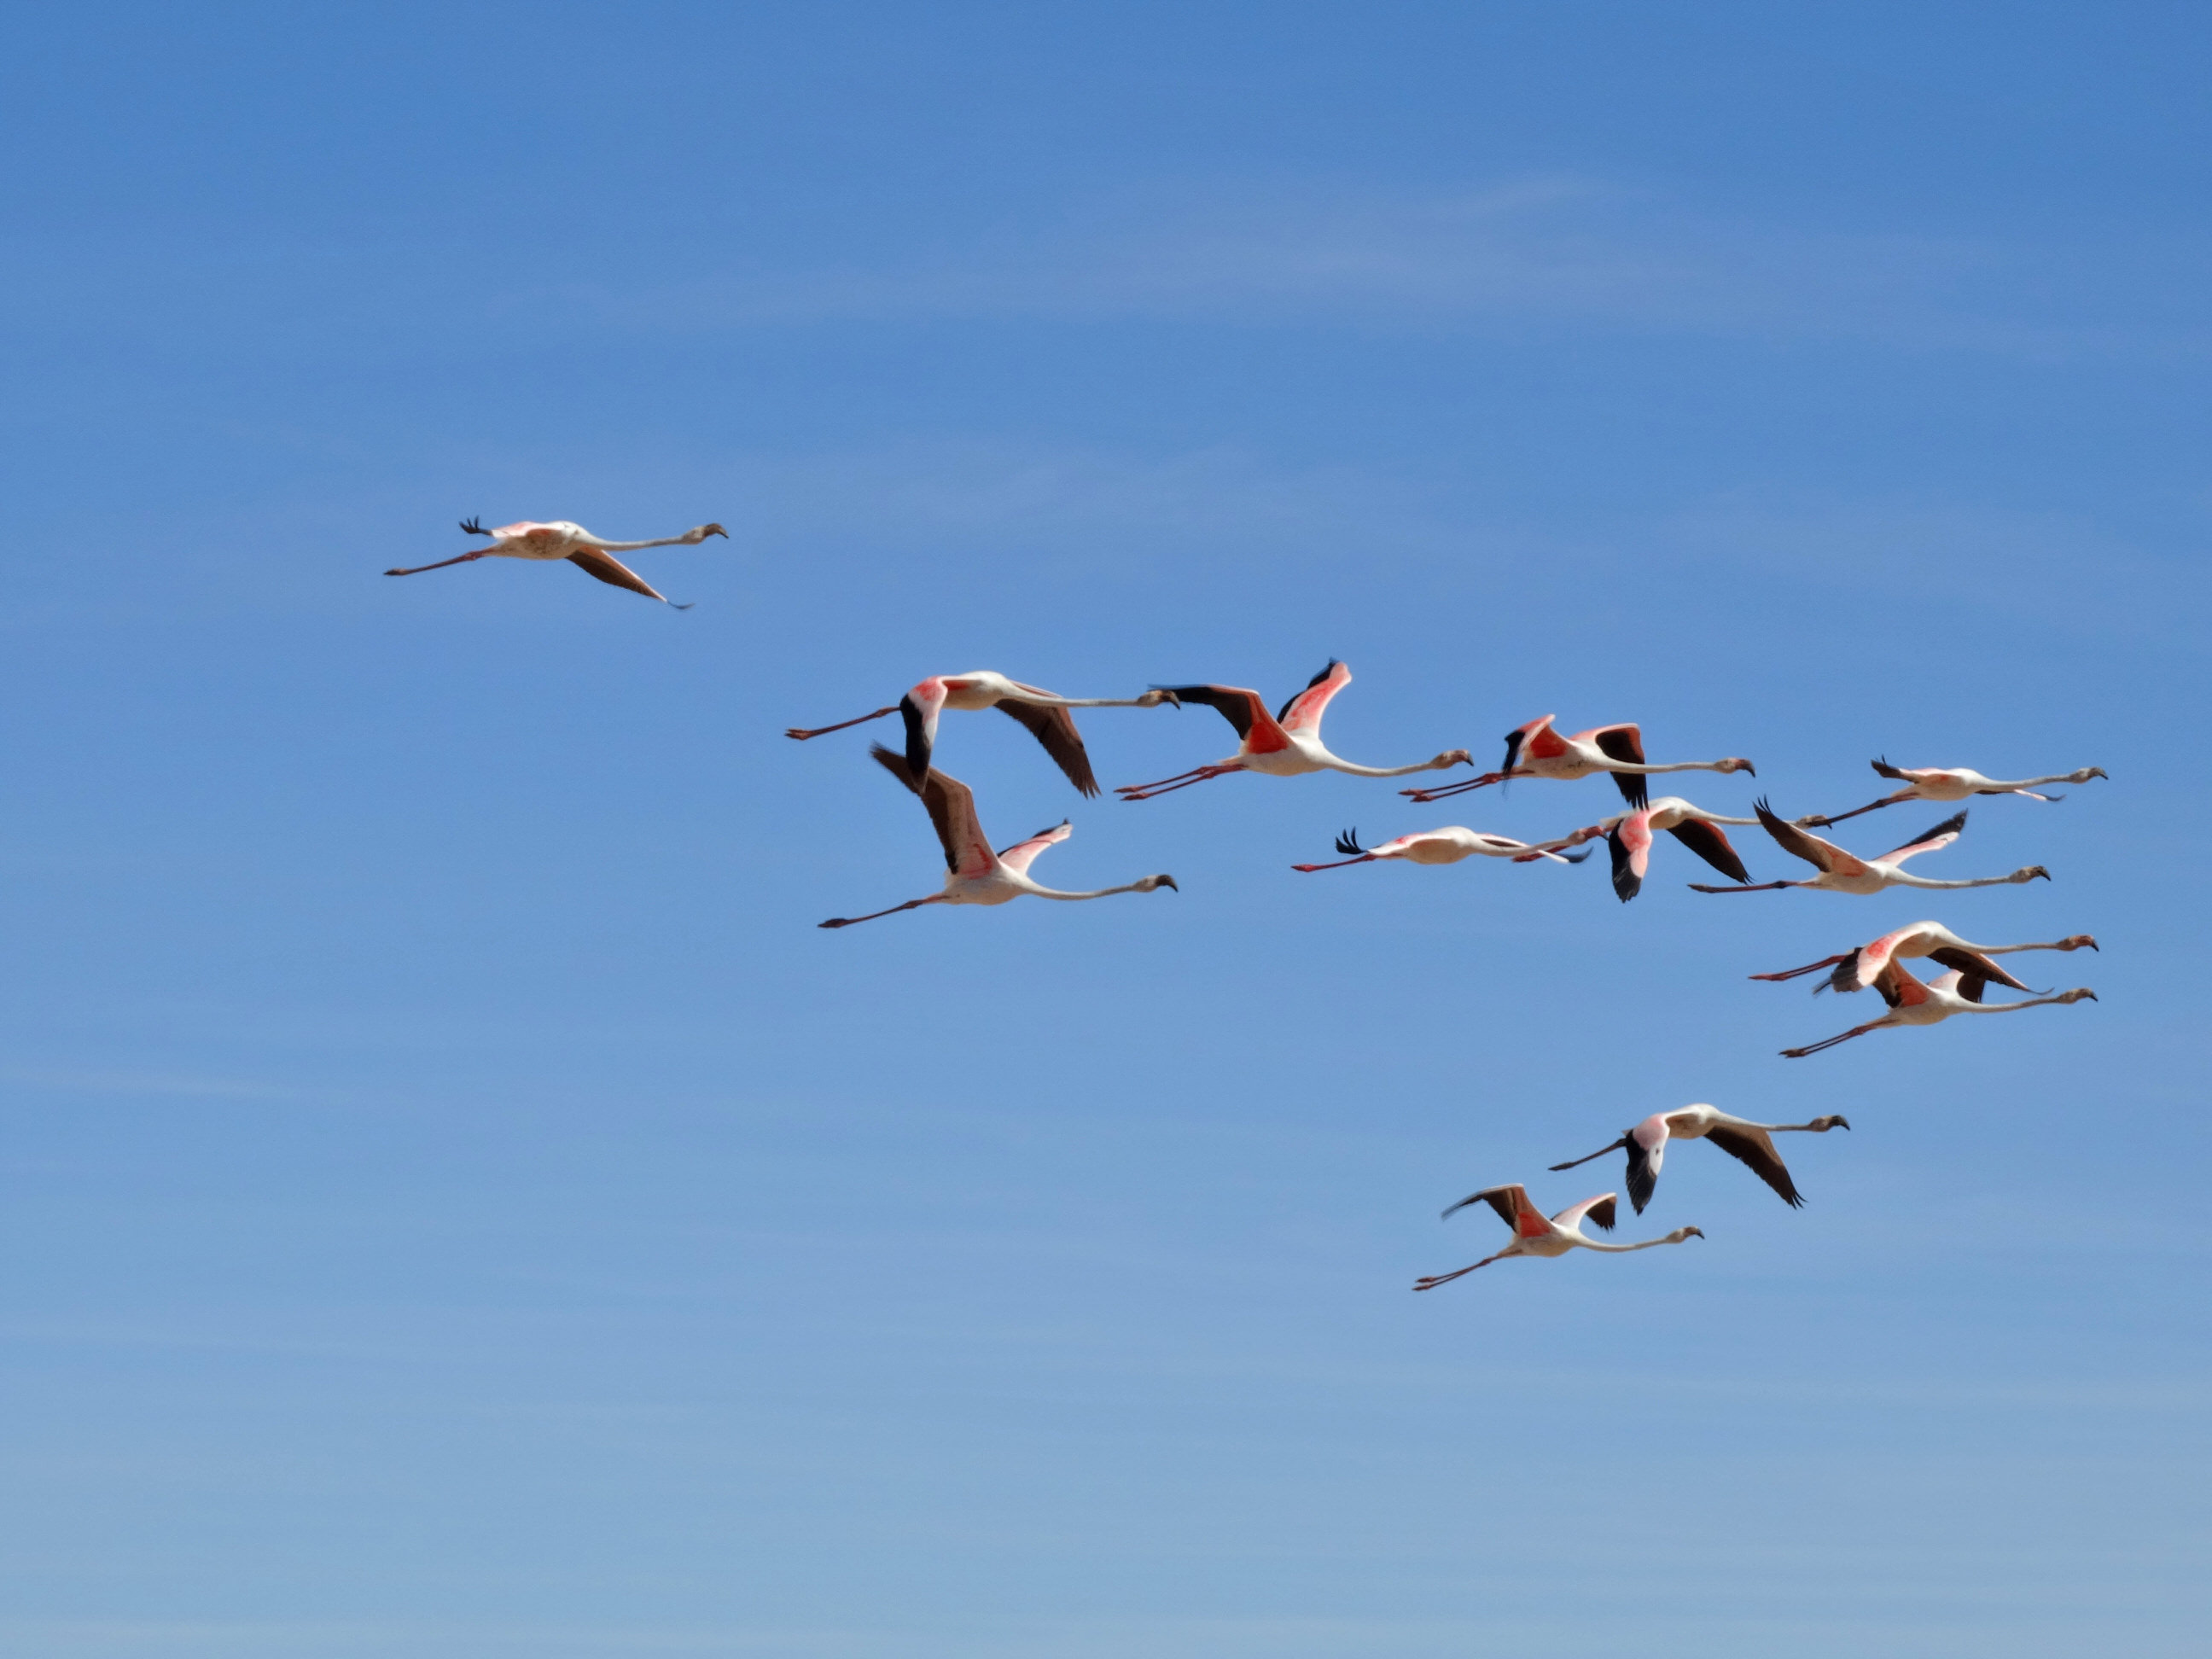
(1285,744)
(1738,1137)
(1911,1003)
(1535,1234)
(1449,845)
(973,873)
(561,538)
(1629,837)
(1846,872)
(1857,968)
(1044,713)
(1956,783)
(1537,750)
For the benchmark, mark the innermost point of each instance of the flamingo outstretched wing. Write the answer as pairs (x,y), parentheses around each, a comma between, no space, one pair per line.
(1822,855)
(1303,713)
(1242,707)
(614,572)
(1054,727)
(1622,743)
(1934,841)
(1599,1211)
(1022,853)
(952,806)
(1754,1148)
(1513,1207)
(1710,842)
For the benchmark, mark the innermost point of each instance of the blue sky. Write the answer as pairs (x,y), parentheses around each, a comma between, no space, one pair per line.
(453,1200)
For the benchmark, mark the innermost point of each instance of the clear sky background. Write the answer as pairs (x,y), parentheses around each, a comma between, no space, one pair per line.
(454,1201)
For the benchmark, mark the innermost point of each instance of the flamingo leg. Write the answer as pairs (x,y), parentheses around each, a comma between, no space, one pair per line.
(1816,820)
(1435,1279)
(465,558)
(1794,973)
(1460,787)
(803,732)
(1365,858)
(1168,785)
(1844,1036)
(1761,887)
(847,921)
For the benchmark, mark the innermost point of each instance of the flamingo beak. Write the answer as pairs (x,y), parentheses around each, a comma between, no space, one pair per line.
(1169,882)
(1693,1232)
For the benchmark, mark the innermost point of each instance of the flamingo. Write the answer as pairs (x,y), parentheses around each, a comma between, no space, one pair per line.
(1855,970)
(1738,1137)
(1446,846)
(1534,1236)
(1044,713)
(1537,750)
(1955,783)
(1628,836)
(1284,744)
(1911,1003)
(560,540)
(1840,873)
(977,874)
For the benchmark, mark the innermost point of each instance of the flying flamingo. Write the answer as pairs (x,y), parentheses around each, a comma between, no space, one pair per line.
(1043,712)
(1282,744)
(1628,836)
(1537,750)
(1446,846)
(1534,1236)
(1955,783)
(1855,970)
(1911,1003)
(978,875)
(1840,873)
(1738,1137)
(560,539)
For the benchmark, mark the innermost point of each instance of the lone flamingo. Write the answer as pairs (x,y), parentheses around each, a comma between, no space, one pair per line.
(1446,846)
(1738,1137)
(1628,836)
(1911,1003)
(1044,713)
(560,540)
(1284,744)
(1955,783)
(1535,1235)
(1537,750)
(1855,970)
(978,875)
(1841,872)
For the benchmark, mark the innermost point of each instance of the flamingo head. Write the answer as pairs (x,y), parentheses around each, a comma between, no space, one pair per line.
(1153,883)
(1157,696)
(1737,763)
(1832,1120)
(1681,1233)
(2031,873)
(2078,942)
(2090,772)
(703,532)
(1452,758)
(2079,994)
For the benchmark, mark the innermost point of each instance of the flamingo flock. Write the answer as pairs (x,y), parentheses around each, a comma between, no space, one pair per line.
(1287,743)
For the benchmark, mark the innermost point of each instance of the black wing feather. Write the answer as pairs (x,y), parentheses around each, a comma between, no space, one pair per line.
(1055,729)
(1234,702)
(1710,843)
(1762,1163)
(1284,713)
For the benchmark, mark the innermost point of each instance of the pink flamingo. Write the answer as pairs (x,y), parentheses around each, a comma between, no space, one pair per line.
(1537,750)
(1911,1003)
(560,540)
(1446,846)
(1284,744)
(1044,713)
(1855,970)
(1738,1137)
(1532,1235)
(977,874)
(1628,836)
(1842,872)
(1955,783)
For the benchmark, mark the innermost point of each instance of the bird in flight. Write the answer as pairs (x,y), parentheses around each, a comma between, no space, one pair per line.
(1044,713)
(1856,968)
(1446,846)
(1911,1003)
(560,540)
(1738,1137)
(1628,837)
(1534,1235)
(975,874)
(1842,873)
(1954,783)
(1284,744)
(1537,750)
